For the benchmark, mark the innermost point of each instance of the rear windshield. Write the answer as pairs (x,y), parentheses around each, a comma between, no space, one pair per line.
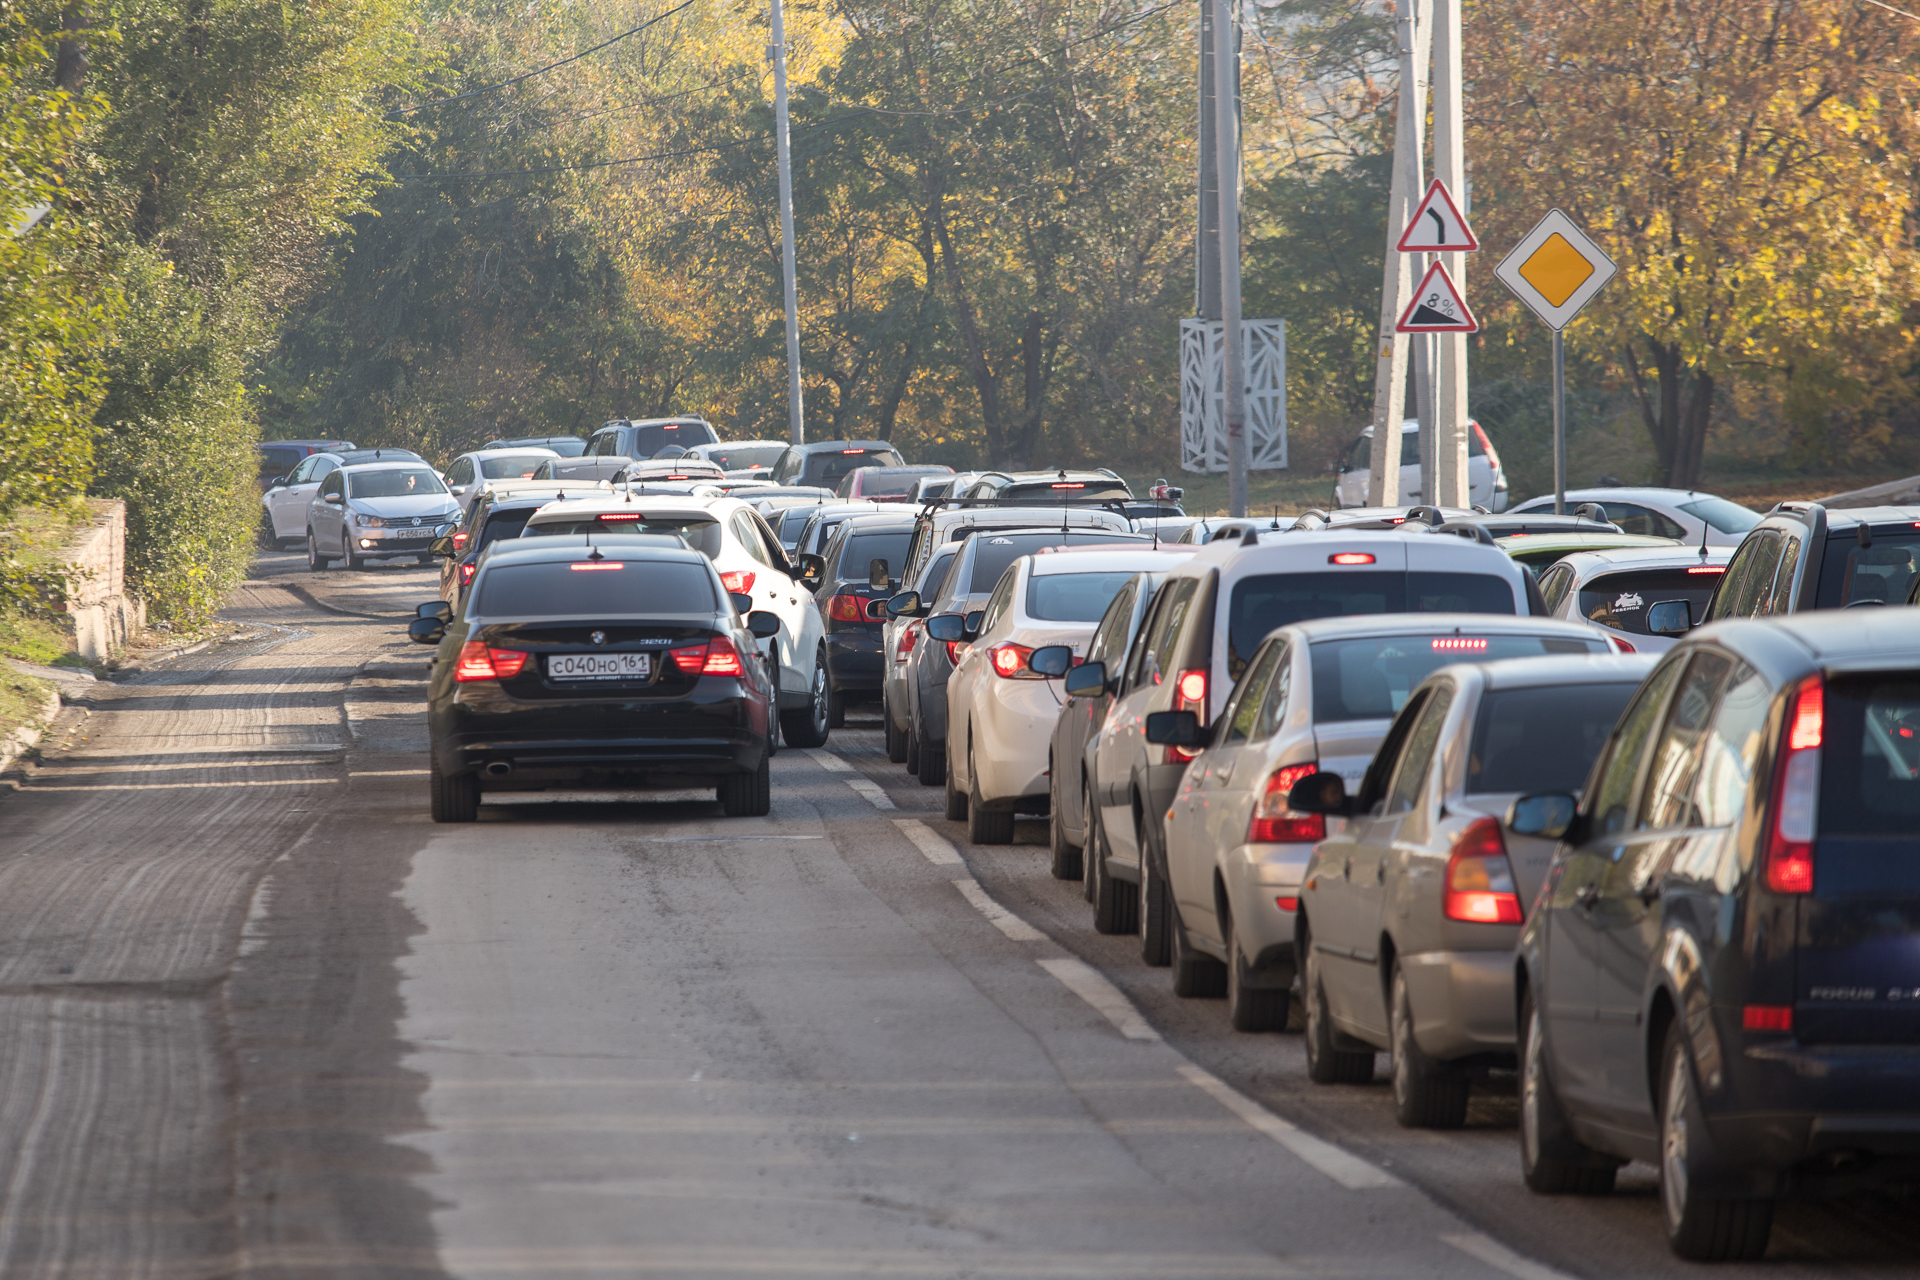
(565,446)
(1724,516)
(413,482)
(739,457)
(1542,739)
(611,587)
(888,483)
(1270,600)
(1870,761)
(1621,600)
(701,532)
(504,524)
(792,524)
(828,468)
(998,550)
(1882,572)
(650,440)
(511,468)
(586,469)
(1371,679)
(1073,597)
(1075,490)
(864,548)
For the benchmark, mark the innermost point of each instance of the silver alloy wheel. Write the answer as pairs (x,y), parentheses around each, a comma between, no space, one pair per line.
(820,705)
(1530,1084)
(1673,1143)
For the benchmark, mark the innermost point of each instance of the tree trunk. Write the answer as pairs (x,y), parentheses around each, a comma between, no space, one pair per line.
(70,57)
(1676,423)
(984,379)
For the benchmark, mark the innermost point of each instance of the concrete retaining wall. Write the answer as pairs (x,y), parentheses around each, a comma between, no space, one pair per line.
(100,615)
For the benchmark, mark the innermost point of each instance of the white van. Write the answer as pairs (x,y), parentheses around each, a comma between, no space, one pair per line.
(1486,480)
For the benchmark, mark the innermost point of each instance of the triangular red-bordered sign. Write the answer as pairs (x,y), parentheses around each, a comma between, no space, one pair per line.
(1437,307)
(1437,226)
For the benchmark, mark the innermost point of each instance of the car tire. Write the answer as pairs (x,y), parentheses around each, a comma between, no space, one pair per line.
(453,798)
(1156,908)
(836,710)
(352,562)
(984,825)
(1093,848)
(913,751)
(1426,1094)
(1251,1008)
(1066,854)
(1699,1229)
(315,561)
(1116,903)
(809,726)
(266,538)
(1552,1161)
(1196,976)
(896,740)
(1326,1062)
(747,795)
(956,810)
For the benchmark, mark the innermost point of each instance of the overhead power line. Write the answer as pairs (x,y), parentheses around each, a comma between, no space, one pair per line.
(538,71)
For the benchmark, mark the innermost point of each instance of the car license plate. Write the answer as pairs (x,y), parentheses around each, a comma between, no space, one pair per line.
(600,666)
(424,531)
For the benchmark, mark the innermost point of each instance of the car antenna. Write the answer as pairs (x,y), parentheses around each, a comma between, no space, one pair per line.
(1703,539)
(1276,517)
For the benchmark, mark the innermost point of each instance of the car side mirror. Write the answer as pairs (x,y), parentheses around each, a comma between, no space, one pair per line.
(334,498)
(763,624)
(904,605)
(1670,618)
(949,627)
(1173,728)
(442,547)
(973,621)
(1088,680)
(877,578)
(437,609)
(278,482)
(742,602)
(1548,816)
(812,571)
(1051,661)
(1321,793)
(426,630)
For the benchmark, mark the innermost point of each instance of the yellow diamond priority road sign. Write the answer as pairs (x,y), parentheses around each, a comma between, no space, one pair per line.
(1556,270)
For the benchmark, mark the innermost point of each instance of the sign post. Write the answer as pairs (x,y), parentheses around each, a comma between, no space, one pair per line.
(1556,270)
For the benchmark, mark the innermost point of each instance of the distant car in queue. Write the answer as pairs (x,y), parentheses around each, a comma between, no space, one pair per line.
(494,515)
(602,660)
(565,468)
(376,510)
(1618,589)
(863,563)
(565,446)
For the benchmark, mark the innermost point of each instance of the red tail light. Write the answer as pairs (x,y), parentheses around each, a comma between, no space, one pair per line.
(1189,694)
(1010,661)
(460,539)
(691,657)
(595,566)
(846,609)
(1274,823)
(722,659)
(904,648)
(953,650)
(466,573)
(1796,793)
(609,517)
(1287,904)
(478,662)
(739,581)
(1766,1017)
(1350,557)
(1621,646)
(1480,886)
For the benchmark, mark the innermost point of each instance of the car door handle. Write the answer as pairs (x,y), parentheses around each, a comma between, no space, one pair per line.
(1586,896)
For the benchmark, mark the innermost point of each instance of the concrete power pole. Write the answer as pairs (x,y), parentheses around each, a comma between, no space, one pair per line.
(1226,131)
(1390,377)
(1206,263)
(1449,164)
(796,418)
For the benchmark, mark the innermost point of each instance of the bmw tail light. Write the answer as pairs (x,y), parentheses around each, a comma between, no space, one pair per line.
(1010,661)
(691,657)
(478,662)
(1480,887)
(1796,792)
(1273,822)
(722,659)
(739,582)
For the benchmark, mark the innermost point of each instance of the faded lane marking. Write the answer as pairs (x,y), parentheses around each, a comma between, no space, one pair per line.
(932,847)
(1495,1254)
(1349,1170)
(193,786)
(1001,918)
(1081,979)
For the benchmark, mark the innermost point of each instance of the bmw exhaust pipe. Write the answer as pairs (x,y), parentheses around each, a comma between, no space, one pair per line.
(499,769)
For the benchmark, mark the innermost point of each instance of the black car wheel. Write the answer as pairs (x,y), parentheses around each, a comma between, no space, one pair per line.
(984,825)
(1326,1062)
(913,751)
(956,810)
(1156,937)
(1426,1094)
(896,740)
(315,561)
(1196,976)
(1116,903)
(454,798)
(1251,1008)
(808,727)
(1092,848)
(1699,1229)
(836,710)
(1552,1162)
(747,795)
(1066,854)
(266,538)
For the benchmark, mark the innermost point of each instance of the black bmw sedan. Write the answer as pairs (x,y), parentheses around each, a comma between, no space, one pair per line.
(597,660)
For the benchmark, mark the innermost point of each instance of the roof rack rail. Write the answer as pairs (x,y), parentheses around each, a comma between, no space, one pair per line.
(1432,517)
(1465,530)
(1116,505)
(1312,513)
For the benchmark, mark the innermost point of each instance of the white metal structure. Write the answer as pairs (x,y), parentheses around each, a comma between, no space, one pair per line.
(469,471)
(1664,513)
(1203,430)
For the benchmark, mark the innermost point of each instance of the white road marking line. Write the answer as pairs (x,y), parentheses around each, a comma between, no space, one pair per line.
(1001,918)
(875,794)
(1081,979)
(388,773)
(1349,1170)
(829,761)
(190,786)
(931,846)
(1497,1255)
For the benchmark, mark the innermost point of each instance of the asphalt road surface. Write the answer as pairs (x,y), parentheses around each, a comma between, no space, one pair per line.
(262,1018)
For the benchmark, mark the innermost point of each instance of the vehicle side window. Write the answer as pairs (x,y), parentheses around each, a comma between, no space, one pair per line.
(1631,740)
(334,483)
(1002,596)
(461,472)
(1110,637)
(1242,713)
(1554,584)
(1750,577)
(1136,654)
(787,467)
(1668,799)
(1411,773)
(1167,626)
(1274,710)
(1726,762)
(300,473)
(749,538)
(1374,785)
(1782,595)
(776,554)
(324,464)
(1642,520)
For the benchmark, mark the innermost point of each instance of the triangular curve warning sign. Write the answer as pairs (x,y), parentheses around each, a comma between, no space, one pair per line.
(1437,307)
(1437,226)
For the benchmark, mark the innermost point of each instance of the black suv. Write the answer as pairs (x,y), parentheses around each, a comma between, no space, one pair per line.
(1805,556)
(826,462)
(643,437)
(1721,975)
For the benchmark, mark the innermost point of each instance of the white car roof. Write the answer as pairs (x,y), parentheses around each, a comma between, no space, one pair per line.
(1105,559)
(1426,624)
(1586,564)
(1035,517)
(1560,670)
(521,451)
(356,468)
(1625,493)
(665,505)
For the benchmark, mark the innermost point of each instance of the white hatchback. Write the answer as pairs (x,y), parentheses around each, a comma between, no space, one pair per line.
(1686,514)
(751,562)
(1000,710)
(469,472)
(1615,589)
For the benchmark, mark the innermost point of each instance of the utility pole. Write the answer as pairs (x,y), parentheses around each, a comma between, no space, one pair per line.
(1390,377)
(1226,131)
(1206,272)
(1449,164)
(796,418)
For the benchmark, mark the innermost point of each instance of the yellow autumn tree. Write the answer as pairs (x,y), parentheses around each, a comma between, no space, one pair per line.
(1748,166)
